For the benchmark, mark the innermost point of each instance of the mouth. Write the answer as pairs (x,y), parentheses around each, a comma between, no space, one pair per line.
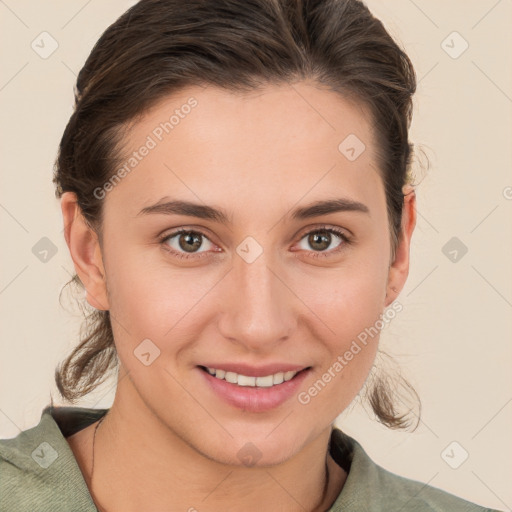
(260,381)
(264,392)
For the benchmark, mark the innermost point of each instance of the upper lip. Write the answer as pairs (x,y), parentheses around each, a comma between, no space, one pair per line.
(256,371)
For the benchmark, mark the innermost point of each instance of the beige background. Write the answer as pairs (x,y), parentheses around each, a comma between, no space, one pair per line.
(453,337)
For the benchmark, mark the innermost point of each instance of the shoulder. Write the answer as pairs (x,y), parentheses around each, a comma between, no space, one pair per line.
(39,472)
(372,487)
(412,495)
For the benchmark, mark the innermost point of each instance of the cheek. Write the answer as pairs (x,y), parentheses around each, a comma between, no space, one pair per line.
(150,299)
(142,287)
(334,387)
(350,303)
(347,299)
(353,315)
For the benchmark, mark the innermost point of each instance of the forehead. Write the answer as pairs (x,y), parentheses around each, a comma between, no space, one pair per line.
(275,144)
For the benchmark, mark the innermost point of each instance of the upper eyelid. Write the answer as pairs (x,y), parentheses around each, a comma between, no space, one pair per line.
(325,227)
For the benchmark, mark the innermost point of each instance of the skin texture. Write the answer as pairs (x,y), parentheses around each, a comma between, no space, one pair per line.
(169,442)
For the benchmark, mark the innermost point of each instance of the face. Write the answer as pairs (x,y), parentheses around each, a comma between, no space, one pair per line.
(260,283)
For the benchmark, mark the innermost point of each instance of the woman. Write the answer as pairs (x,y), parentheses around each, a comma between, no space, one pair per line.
(237,201)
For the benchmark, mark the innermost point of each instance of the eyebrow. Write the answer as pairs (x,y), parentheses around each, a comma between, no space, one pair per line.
(176,207)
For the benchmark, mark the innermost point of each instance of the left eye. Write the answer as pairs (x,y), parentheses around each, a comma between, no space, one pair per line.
(321,239)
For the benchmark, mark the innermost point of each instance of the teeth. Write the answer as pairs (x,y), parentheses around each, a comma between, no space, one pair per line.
(264,382)
(279,378)
(243,380)
(289,375)
(246,381)
(231,377)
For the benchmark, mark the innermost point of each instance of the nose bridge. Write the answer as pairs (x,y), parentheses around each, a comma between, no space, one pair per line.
(259,307)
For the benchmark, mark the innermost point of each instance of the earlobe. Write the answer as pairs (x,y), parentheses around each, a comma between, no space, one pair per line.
(85,251)
(399,269)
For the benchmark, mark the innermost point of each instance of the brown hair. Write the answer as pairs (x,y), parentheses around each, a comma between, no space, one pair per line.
(160,46)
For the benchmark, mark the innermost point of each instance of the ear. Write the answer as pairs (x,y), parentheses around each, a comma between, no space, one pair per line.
(399,269)
(85,250)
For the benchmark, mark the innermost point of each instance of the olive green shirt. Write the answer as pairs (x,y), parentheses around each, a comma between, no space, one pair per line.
(38,473)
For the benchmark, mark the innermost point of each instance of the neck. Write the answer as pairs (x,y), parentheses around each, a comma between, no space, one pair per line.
(139,464)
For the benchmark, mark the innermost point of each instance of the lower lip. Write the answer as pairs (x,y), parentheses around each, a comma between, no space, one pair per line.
(255,399)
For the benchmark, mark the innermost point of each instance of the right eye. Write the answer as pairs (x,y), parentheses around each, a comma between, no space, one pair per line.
(184,242)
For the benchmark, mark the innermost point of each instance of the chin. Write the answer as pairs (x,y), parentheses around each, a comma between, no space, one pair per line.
(258,451)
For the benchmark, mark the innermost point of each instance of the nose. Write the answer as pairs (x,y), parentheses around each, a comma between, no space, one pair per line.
(259,310)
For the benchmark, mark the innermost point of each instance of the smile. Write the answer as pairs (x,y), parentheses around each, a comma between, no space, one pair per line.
(267,388)
(265,381)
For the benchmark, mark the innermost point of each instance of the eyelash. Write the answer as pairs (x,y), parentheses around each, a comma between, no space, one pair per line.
(315,254)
